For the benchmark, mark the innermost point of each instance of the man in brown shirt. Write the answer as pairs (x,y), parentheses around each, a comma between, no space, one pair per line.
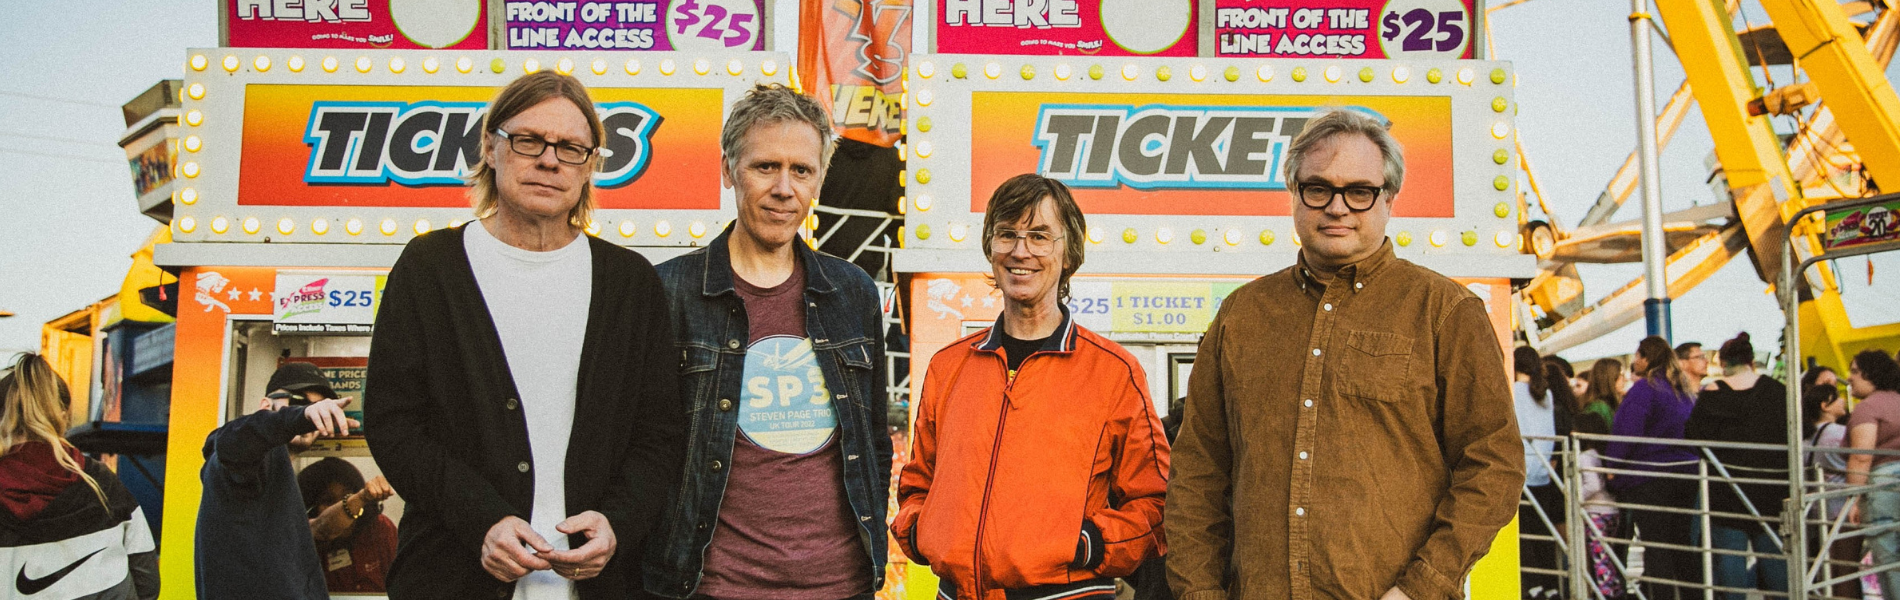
(1349,430)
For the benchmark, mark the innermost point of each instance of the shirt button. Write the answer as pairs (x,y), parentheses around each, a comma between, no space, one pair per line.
(1302,456)
(1309,402)
(733,344)
(522,466)
(1316,352)
(702,525)
(512,403)
(725,405)
(1299,512)
(716,466)
(1329,306)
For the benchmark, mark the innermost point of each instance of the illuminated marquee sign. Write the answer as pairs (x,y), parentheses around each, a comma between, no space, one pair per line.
(1157,147)
(1186,154)
(438,143)
(304,146)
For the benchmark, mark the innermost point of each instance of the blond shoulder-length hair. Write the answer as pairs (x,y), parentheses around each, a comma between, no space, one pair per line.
(33,403)
(521,95)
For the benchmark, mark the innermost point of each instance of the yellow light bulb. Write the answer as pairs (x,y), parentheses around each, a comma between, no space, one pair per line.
(1130,236)
(769,68)
(923,202)
(1506,238)
(194,118)
(531,66)
(422,226)
(1129,72)
(668,66)
(220,225)
(295,63)
(924,97)
(261,63)
(958,231)
(593,228)
(388,227)
(397,65)
(464,64)
(1266,237)
(599,66)
(190,169)
(627,229)
(734,67)
(431,64)
(251,225)
(187,224)
(319,226)
(353,226)
(565,66)
(231,63)
(188,196)
(363,65)
(329,64)
(923,149)
(1095,235)
(698,229)
(702,66)
(1265,73)
(198,62)
(663,229)
(926,69)
(193,143)
(285,226)
(633,66)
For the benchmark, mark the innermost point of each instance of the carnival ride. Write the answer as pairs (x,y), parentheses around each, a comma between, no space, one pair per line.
(1845,140)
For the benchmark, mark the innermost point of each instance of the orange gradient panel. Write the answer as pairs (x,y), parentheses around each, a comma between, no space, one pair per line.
(682,171)
(1004,131)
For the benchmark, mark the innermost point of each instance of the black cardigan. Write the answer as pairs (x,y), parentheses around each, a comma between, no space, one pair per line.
(442,419)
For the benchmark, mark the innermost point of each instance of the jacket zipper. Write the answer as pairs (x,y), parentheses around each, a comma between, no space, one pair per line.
(996,447)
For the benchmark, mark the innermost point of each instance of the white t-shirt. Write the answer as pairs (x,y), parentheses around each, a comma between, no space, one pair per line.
(1534,419)
(539,302)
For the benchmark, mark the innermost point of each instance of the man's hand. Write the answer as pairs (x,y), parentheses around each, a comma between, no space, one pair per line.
(586,561)
(1395,594)
(512,550)
(329,418)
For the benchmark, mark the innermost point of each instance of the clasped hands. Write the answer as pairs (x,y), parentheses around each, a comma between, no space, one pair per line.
(512,549)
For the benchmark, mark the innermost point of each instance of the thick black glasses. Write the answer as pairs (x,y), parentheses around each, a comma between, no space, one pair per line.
(1358,197)
(1040,243)
(533,147)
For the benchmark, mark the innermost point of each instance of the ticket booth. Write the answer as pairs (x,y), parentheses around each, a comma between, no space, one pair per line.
(304,172)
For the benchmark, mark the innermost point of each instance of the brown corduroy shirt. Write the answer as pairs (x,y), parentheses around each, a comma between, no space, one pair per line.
(1343,438)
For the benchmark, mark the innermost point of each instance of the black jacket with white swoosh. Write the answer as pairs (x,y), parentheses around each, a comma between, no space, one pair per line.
(77,549)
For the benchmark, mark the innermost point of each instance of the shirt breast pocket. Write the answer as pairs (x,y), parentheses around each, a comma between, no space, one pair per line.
(1375,366)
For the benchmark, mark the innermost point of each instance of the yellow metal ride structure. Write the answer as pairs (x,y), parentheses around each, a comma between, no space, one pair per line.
(1846,144)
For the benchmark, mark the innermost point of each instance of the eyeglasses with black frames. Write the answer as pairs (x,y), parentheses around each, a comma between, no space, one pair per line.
(1359,198)
(533,147)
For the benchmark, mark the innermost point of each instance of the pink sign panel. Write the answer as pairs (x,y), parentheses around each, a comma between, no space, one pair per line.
(1068,27)
(1345,28)
(399,24)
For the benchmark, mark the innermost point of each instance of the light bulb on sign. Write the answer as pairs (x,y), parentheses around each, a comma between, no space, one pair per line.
(1400,74)
(1129,72)
(329,64)
(1265,73)
(1232,237)
(924,149)
(187,224)
(1506,238)
(431,64)
(1332,74)
(319,226)
(992,70)
(1197,73)
(285,226)
(220,225)
(627,229)
(668,66)
(769,68)
(231,63)
(396,64)
(388,227)
(1437,238)
(1164,235)
(1064,72)
(599,66)
(924,97)
(188,196)
(923,202)
(295,63)
(362,64)
(190,169)
(1500,130)
(1465,76)
(1096,235)
(593,228)
(261,63)
(194,118)
(531,66)
(251,225)
(663,229)
(633,66)
(926,69)
(353,226)
(734,67)
(422,226)
(698,229)
(702,66)
(193,143)
(464,64)
(198,62)
(565,66)
(958,231)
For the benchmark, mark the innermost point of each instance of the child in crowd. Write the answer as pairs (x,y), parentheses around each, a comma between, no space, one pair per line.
(1596,505)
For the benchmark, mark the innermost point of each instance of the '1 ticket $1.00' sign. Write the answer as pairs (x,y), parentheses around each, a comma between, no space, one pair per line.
(685,25)
(1344,28)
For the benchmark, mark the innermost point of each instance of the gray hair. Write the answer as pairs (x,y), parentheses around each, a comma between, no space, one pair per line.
(774,103)
(1337,122)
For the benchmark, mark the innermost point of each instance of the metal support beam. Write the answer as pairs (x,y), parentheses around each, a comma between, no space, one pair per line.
(1655,251)
(1828,47)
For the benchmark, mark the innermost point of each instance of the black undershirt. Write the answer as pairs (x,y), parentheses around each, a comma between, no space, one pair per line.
(1015,350)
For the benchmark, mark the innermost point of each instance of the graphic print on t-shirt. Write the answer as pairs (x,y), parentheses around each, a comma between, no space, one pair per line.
(786,406)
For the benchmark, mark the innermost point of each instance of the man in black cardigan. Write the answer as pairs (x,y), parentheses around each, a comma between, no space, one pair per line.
(499,342)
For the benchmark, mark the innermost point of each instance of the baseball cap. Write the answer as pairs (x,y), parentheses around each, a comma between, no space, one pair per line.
(298,377)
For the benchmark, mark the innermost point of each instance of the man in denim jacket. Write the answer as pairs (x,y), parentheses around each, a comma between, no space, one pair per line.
(788,460)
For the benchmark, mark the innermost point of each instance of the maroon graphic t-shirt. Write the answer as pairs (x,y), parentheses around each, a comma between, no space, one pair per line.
(785,528)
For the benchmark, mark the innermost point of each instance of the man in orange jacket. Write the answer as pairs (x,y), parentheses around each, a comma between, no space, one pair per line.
(1038,465)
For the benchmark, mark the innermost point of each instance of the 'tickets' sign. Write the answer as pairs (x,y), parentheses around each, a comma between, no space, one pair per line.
(403,24)
(1345,28)
(688,25)
(1069,27)
(1181,154)
(411,146)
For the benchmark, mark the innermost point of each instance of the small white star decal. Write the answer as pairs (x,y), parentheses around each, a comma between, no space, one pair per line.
(256,294)
(967,301)
(989,301)
(235,293)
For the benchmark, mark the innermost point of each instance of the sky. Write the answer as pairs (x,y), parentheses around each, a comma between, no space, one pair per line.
(69,221)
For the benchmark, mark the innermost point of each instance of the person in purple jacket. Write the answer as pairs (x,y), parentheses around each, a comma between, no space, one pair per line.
(1656,407)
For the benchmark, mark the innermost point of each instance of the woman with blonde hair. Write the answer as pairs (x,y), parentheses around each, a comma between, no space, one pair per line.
(69,525)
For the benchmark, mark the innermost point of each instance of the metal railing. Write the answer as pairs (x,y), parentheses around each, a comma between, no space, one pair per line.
(1777,539)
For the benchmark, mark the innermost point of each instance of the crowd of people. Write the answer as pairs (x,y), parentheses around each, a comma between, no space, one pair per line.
(564,420)
(1652,489)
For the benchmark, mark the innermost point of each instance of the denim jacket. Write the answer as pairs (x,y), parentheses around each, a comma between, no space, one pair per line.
(842,320)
